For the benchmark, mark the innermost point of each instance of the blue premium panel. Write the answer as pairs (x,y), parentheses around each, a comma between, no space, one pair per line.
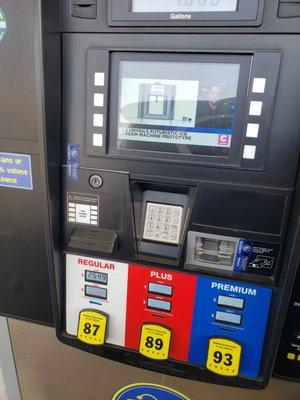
(246,307)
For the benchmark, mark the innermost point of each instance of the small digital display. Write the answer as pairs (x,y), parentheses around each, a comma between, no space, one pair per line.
(158,288)
(234,319)
(177,107)
(96,277)
(159,304)
(231,302)
(94,291)
(184,5)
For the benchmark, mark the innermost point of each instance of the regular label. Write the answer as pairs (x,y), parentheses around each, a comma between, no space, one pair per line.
(92,327)
(223,357)
(155,341)
(15,171)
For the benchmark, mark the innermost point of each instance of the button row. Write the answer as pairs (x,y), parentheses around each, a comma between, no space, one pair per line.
(98,118)
(293,357)
(161,219)
(255,110)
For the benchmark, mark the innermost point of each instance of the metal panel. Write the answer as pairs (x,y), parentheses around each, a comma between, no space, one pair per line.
(25,287)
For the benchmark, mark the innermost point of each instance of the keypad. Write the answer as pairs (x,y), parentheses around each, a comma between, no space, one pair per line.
(163,223)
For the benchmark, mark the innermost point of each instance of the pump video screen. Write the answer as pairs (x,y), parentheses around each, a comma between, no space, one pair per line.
(184,5)
(177,107)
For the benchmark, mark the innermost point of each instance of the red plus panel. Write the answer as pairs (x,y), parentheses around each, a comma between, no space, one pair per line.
(179,294)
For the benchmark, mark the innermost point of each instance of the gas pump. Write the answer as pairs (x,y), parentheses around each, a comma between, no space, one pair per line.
(177,242)
(178,180)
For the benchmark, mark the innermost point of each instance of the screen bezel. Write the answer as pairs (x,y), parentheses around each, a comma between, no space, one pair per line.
(233,159)
(248,13)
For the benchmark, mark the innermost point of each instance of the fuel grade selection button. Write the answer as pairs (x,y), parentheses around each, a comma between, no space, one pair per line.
(223,357)
(155,341)
(92,327)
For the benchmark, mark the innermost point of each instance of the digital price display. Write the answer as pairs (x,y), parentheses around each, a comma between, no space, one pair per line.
(231,302)
(184,5)
(96,277)
(159,304)
(94,291)
(158,288)
(234,319)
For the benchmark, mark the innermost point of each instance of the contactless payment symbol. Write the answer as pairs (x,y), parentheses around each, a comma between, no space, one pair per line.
(147,391)
(92,327)
(223,356)
(155,341)
(3,25)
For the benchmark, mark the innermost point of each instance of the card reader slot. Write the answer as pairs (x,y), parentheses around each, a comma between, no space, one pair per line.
(214,251)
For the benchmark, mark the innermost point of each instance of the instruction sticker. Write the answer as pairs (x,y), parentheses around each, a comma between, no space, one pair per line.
(73,162)
(3,25)
(15,171)
(257,258)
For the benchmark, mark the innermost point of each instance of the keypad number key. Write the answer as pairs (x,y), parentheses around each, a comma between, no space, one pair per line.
(92,327)
(224,356)
(155,341)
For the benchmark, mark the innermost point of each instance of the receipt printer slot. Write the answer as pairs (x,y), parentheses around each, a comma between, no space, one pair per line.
(88,239)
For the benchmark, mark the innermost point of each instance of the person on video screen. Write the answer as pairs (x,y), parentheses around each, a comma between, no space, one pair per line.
(215,112)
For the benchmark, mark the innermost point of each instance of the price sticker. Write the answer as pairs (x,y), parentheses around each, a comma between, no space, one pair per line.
(92,327)
(224,356)
(155,341)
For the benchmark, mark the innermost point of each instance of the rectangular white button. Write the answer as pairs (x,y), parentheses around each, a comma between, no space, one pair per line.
(72,204)
(98,139)
(99,78)
(94,213)
(72,215)
(98,99)
(98,120)
(249,152)
(94,222)
(252,130)
(256,108)
(72,220)
(259,85)
(94,208)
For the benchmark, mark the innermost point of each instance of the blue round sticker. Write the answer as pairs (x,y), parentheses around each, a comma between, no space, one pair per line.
(148,391)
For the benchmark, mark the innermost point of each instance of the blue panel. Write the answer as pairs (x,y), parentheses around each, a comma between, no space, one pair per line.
(15,171)
(250,334)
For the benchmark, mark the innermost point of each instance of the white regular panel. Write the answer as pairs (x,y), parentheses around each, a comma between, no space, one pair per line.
(114,306)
